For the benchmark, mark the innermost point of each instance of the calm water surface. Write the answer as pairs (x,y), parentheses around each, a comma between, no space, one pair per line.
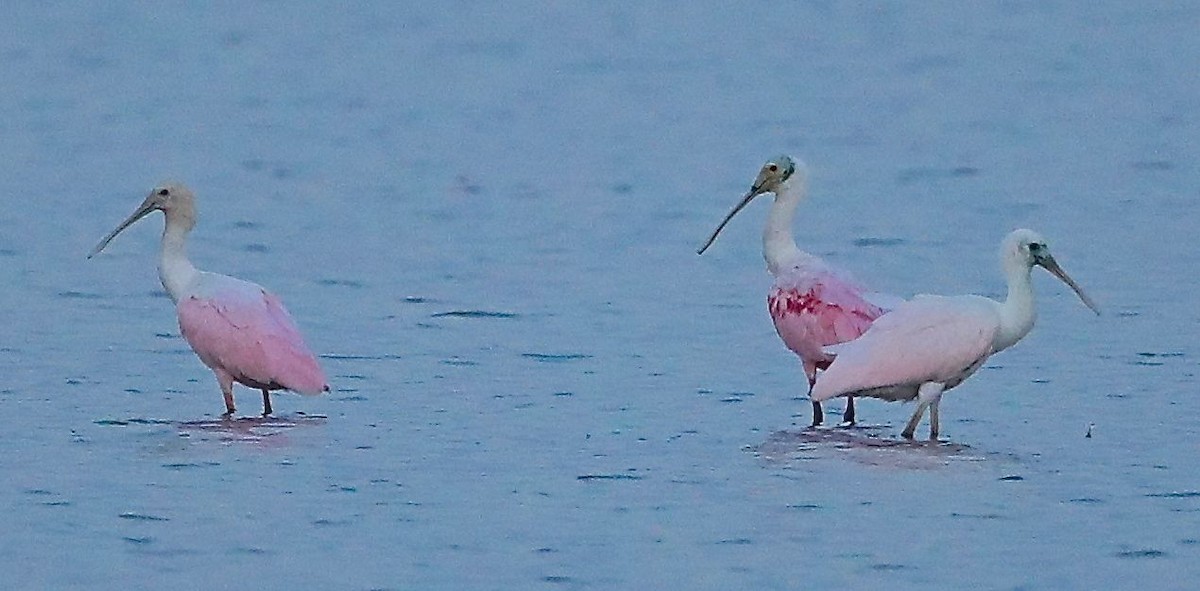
(485,219)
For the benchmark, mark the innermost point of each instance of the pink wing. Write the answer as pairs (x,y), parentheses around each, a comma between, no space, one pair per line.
(929,339)
(251,337)
(826,311)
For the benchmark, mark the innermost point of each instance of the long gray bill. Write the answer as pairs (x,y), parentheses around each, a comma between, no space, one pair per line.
(745,200)
(145,208)
(1051,265)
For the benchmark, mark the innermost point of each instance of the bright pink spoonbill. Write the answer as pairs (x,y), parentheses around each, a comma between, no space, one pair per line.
(931,344)
(238,329)
(812,305)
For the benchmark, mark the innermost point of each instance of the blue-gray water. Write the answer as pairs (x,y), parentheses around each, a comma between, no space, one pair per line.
(484,217)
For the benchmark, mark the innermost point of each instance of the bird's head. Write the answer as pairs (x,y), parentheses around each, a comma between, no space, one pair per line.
(1027,249)
(173,199)
(773,175)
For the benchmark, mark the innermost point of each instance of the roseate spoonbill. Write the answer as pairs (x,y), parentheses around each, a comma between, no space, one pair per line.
(931,343)
(811,304)
(238,329)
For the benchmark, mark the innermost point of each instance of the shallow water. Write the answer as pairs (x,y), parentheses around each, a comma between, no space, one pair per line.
(485,219)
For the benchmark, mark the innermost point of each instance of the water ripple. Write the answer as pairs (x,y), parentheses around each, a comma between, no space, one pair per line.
(473,314)
(1187,494)
(141,516)
(1144,553)
(1152,165)
(555,358)
(189,465)
(125,422)
(735,542)
(871,241)
(923,173)
(340,283)
(618,476)
(79,295)
(863,443)
(358,357)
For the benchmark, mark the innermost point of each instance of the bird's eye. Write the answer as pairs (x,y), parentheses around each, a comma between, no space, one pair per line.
(1035,247)
(164,192)
(773,168)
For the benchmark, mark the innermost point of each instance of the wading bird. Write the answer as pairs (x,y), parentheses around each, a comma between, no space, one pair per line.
(812,305)
(932,343)
(238,329)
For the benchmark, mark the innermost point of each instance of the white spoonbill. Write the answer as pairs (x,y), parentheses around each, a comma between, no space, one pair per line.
(932,343)
(812,305)
(238,329)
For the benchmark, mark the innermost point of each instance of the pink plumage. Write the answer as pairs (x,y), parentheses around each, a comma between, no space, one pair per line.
(811,305)
(929,339)
(251,339)
(814,310)
(238,329)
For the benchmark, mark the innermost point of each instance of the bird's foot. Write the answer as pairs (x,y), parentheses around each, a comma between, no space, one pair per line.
(907,435)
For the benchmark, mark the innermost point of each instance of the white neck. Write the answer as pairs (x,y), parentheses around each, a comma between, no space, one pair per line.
(174,268)
(1017,313)
(779,248)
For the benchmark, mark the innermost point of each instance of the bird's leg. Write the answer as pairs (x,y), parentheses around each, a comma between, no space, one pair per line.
(266,403)
(226,383)
(929,394)
(933,418)
(848,416)
(912,422)
(818,416)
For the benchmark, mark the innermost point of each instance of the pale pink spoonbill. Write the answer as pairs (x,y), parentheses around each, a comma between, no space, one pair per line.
(238,329)
(812,305)
(932,343)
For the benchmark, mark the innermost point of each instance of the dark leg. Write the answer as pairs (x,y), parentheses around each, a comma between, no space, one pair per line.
(266,403)
(818,416)
(848,417)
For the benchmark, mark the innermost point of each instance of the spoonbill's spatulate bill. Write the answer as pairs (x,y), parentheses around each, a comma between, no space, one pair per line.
(811,304)
(932,343)
(238,329)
